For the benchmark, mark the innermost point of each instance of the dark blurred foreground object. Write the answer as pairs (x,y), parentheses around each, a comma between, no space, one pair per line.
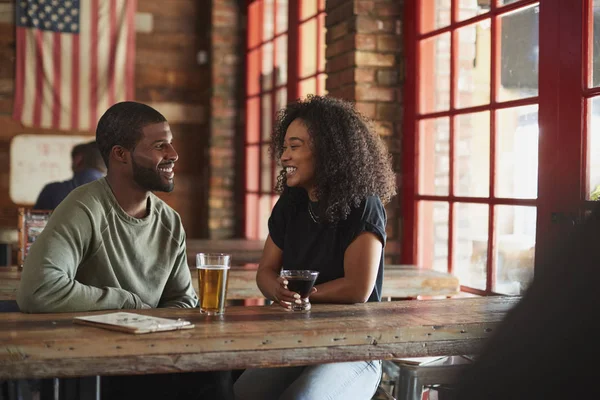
(547,347)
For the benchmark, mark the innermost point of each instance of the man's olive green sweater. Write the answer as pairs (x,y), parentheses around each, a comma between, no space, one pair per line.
(93,256)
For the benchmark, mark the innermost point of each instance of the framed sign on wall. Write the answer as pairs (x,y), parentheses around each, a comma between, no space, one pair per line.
(36,160)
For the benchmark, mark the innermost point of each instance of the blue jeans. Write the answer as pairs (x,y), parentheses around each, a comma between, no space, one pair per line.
(349,381)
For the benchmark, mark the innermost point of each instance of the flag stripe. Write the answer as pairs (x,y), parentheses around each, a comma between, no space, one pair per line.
(47,79)
(86,47)
(39,70)
(121,52)
(29,84)
(56,50)
(64,93)
(94,49)
(103,57)
(112,52)
(20,75)
(130,63)
(75,102)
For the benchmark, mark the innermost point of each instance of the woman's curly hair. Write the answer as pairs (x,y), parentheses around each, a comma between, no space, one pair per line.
(351,160)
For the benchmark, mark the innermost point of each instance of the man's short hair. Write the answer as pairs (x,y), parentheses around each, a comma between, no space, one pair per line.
(122,124)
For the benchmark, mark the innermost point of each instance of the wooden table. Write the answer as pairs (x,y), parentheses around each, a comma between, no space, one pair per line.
(400,281)
(50,345)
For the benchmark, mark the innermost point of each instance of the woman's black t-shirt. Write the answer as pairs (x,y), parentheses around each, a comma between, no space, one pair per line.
(307,244)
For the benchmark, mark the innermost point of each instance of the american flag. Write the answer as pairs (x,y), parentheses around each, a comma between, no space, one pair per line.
(75,58)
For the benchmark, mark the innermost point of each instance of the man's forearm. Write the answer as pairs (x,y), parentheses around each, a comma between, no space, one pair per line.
(68,295)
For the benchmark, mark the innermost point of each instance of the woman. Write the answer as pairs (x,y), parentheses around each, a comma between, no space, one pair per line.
(330,217)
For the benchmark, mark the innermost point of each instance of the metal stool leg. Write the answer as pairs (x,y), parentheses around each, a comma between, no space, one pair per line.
(89,388)
(409,387)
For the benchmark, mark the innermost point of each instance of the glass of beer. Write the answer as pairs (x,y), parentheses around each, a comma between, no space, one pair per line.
(213,271)
(300,281)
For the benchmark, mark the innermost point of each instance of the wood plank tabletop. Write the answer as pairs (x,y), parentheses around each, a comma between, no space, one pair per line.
(400,281)
(50,345)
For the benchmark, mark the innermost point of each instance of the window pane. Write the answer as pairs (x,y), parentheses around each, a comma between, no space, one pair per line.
(472,154)
(267,116)
(593,148)
(434,82)
(254,27)
(268,18)
(251,216)
(474,64)
(308,86)
(252,120)
(267,66)
(471,8)
(282,16)
(253,71)
(264,211)
(515,248)
(470,244)
(505,2)
(308,8)
(308,50)
(433,235)
(281,60)
(519,56)
(281,99)
(595,50)
(252,168)
(266,170)
(517,152)
(321,44)
(322,78)
(434,161)
(434,14)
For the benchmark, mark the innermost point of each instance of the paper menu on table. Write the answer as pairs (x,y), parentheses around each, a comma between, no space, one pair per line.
(133,323)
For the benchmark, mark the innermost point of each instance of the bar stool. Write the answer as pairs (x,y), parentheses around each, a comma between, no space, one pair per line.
(414,374)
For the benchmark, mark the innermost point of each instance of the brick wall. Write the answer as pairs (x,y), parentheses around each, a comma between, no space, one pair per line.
(365,65)
(226,110)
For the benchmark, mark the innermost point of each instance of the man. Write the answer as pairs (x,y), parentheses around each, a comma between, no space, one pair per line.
(113,244)
(87,165)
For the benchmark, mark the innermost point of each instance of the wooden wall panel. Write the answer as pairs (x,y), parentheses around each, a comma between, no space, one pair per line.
(168,76)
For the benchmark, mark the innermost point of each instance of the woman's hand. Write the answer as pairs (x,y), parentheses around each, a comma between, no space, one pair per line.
(281,294)
(268,280)
(284,297)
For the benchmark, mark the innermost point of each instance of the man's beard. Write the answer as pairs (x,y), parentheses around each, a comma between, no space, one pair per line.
(150,179)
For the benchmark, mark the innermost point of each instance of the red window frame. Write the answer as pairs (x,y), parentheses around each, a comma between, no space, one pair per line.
(415,38)
(565,91)
(301,16)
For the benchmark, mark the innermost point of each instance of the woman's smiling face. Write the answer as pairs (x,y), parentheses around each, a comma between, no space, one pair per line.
(297,157)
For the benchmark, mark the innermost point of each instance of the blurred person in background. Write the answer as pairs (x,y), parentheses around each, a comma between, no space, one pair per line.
(87,165)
